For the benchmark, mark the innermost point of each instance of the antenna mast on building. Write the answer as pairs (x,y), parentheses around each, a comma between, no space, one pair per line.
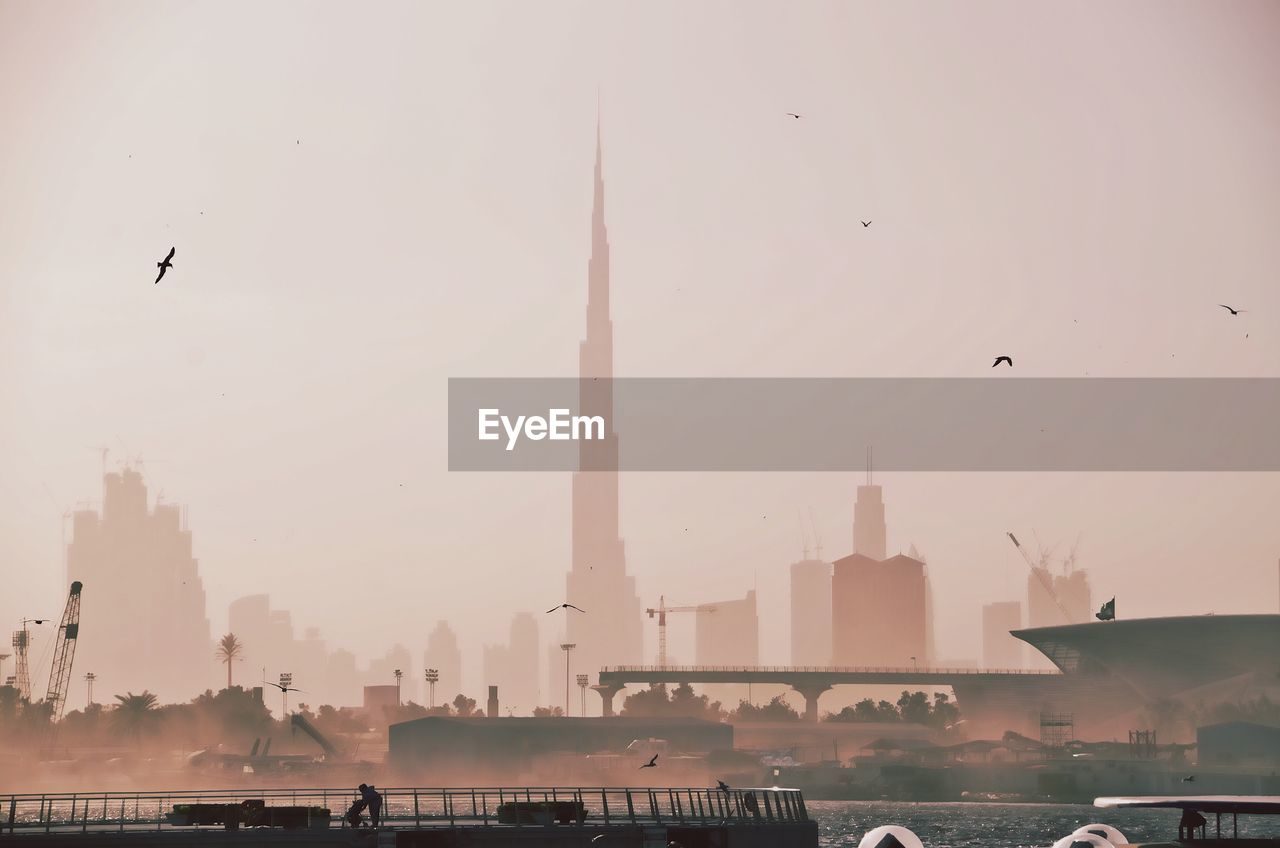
(817,537)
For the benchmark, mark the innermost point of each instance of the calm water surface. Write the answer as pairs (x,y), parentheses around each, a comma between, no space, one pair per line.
(1005,825)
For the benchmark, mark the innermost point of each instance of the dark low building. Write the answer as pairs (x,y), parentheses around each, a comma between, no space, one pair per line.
(507,745)
(1238,742)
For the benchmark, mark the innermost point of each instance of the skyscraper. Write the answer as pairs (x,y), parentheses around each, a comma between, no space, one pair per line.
(513,667)
(999,648)
(811,612)
(869,532)
(143,620)
(878,612)
(728,632)
(444,656)
(611,632)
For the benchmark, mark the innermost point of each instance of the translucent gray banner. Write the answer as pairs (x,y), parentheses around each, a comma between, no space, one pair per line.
(926,424)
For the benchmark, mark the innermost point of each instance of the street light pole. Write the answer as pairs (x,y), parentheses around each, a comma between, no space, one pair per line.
(566,647)
(89,678)
(583,681)
(399,674)
(433,675)
(286,680)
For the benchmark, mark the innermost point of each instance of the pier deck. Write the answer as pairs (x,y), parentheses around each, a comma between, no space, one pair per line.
(524,817)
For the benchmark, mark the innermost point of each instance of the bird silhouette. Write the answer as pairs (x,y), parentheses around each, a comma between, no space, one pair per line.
(722,786)
(1232,311)
(866,223)
(566,606)
(1191,778)
(794,115)
(283,688)
(652,763)
(1000,359)
(166,264)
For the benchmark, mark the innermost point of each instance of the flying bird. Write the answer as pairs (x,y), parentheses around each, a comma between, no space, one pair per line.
(1232,311)
(598,837)
(794,115)
(652,763)
(566,606)
(166,264)
(1191,778)
(1000,359)
(283,688)
(722,786)
(866,223)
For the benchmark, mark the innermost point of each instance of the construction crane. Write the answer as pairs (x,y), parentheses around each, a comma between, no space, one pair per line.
(661,613)
(1042,574)
(64,652)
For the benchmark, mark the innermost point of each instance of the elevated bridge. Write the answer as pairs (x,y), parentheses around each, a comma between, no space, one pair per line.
(812,681)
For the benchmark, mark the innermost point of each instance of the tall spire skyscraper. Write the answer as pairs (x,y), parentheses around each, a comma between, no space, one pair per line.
(610,632)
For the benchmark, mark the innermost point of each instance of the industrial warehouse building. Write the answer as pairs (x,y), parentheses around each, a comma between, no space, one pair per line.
(1238,742)
(449,742)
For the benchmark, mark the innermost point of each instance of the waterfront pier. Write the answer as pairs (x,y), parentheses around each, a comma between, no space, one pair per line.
(525,817)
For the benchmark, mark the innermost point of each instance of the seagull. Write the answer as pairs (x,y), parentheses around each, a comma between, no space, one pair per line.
(722,786)
(566,606)
(166,264)
(283,688)
(794,115)
(866,223)
(598,837)
(1000,359)
(1232,311)
(1191,778)
(652,763)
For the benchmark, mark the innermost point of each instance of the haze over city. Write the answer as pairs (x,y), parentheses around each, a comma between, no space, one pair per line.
(1076,186)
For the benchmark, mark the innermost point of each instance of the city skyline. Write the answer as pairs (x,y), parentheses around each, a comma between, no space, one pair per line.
(291,394)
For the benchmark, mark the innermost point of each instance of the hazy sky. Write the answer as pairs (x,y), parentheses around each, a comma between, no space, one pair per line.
(369,199)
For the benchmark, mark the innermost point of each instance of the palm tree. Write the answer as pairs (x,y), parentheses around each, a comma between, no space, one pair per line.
(229,650)
(135,713)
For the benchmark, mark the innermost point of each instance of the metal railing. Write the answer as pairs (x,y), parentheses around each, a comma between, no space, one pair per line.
(817,669)
(415,807)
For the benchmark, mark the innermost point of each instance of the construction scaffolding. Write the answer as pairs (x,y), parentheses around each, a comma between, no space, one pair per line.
(1057,729)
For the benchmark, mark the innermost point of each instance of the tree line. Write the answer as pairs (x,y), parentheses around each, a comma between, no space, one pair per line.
(911,708)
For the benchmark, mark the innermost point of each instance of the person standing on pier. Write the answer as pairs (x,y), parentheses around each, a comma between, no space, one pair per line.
(373,801)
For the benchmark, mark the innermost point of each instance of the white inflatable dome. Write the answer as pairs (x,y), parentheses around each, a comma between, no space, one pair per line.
(1106,831)
(1082,840)
(893,833)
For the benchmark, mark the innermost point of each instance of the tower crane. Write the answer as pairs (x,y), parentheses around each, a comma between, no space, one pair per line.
(1042,574)
(64,652)
(661,613)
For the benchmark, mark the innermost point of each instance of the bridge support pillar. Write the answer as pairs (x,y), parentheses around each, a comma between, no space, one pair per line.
(607,691)
(811,691)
